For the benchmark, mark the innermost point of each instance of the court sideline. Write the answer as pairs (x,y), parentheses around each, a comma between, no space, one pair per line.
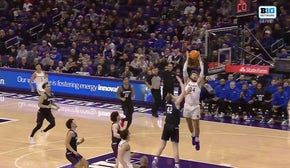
(221,144)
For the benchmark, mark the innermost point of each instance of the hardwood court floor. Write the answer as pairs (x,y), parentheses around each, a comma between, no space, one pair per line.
(234,145)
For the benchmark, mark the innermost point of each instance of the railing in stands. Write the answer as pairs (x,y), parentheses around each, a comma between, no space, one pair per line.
(79,5)
(56,18)
(278,45)
(14,41)
(34,31)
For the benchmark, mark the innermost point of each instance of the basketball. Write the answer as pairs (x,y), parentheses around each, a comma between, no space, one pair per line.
(193,54)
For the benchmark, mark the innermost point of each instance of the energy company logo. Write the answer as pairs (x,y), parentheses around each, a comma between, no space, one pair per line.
(267,12)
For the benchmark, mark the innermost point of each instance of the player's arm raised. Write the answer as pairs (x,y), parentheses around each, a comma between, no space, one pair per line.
(184,70)
(201,74)
(181,96)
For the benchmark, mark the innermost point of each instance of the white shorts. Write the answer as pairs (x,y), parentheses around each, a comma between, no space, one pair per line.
(128,164)
(192,112)
(39,88)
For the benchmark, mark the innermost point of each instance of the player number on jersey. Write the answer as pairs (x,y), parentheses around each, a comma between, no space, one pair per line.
(169,110)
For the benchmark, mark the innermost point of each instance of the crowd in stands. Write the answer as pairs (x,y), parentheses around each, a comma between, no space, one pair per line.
(90,36)
(111,38)
(247,99)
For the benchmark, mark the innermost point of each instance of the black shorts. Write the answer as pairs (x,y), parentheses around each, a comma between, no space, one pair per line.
(115,148)
(128,109)
(74,159)
(170,132)
(44,115)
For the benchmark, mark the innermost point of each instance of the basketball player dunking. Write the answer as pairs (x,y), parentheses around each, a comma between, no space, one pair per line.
(126,94)
(192,105)
(171,126)
(39,77)
(45,104)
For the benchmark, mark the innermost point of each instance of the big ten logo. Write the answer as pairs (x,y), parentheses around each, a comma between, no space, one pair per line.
(267,12)
(242,6)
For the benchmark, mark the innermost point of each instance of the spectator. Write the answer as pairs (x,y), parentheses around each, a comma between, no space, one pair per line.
(286,86)
(175,59)
(152,55)
(60,67)
(213,80)
(135,65)
(55,55)
(230,79)
(22,52)
(267,39)
(127,73)
(144,74)
(86,68)
(273,87)
(160,43)
(109,54)
(24,64)
(3,38)
(143,63)
(73,54)
(47,63)
(245,104)
(100,71)
(241,82)
(43,49)
(176,44)
(73,67)
(3,7)
(233,97)
(10,63)
(151,41)
(253,85)
(113,72)
(68,63)
(32,54)
(283,54)
(279,106)
(277,31)
(220,98)
(261,101)
(74,35)
(190,9)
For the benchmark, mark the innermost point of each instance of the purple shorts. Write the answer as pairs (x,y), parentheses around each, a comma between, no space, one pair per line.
(74,159)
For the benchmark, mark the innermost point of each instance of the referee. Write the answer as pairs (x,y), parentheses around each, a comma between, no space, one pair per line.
(154,83)
(169,79)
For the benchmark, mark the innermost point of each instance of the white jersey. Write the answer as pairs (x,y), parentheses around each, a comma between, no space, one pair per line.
(126,157)
(40,80)
(193,90)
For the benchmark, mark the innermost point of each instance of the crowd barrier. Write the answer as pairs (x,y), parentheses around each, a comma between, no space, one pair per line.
(75,86)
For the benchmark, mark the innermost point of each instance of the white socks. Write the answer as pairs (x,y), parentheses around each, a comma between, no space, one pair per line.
(193,134)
